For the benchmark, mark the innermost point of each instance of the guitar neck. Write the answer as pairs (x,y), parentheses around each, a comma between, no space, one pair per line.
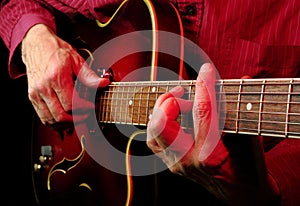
(267,107)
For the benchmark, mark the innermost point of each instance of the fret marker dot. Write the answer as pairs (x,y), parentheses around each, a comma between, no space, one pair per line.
(130,102)
(153,89)
(249,106)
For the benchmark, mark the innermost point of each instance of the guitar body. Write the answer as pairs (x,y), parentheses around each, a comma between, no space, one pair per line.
(64,164)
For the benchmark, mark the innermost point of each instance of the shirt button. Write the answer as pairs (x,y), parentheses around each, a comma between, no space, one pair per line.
(190,10)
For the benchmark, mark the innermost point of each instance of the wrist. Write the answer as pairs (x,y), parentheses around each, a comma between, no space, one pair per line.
(37,35)
(36,31)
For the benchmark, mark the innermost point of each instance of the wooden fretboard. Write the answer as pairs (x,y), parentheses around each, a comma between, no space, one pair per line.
(267,107)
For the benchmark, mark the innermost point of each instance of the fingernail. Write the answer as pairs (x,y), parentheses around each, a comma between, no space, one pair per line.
(205,67)
(176,89)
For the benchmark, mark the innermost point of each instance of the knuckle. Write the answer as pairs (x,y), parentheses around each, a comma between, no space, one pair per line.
(201,109)
(33,93)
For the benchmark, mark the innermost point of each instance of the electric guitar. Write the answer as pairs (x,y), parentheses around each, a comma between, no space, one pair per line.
(81,158)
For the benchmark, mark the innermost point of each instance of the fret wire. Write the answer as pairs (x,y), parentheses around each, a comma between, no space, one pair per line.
(220,95)
(168,87)
(147,107)
(121,100)
(107,106)
(288,107)
(238,106)
(115,108)
(100,100)
(109,103)
(260,107)
(133,104)
(156,97)
(100,115)
(127,103)
(139,109)
(190,92)
(104,106)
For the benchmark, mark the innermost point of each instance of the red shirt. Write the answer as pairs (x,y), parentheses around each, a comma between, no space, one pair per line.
(242,37)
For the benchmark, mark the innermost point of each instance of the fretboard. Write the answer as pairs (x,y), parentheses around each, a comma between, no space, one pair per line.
(267,107)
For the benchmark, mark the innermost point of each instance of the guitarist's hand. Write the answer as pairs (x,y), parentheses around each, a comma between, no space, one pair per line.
(231,167)
(52,66)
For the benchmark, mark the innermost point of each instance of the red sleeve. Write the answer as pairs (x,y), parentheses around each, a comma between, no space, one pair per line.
(17,16)
(283,163)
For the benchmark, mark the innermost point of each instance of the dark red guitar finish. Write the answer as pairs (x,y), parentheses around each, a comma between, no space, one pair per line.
(63,170)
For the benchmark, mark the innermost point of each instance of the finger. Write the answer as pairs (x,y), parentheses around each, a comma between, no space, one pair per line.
(59,84)
(168,112)
(89,77)
(170,108)
(177,91)
(165,126)
(54,106)
(72,108)
(172,138)
(184,105)
(160,123)
(64,87)
(41,108)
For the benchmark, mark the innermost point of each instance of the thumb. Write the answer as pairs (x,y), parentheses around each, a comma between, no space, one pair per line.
(206,123)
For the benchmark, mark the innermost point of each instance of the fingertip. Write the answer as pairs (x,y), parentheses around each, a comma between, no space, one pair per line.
(103,82)
(97,82)
(207,73)
(207,68)
(177,91)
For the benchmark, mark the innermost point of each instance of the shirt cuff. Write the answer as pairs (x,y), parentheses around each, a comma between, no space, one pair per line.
(16,68)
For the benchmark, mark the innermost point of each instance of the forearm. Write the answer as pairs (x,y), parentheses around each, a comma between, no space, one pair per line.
(17,17)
